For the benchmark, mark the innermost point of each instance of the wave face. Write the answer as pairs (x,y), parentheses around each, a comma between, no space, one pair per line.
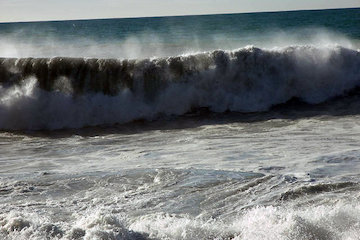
(55,93)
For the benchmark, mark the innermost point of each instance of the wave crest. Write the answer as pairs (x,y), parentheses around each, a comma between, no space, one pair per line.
(55,93)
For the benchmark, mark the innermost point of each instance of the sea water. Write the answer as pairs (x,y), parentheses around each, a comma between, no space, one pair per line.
(240,126)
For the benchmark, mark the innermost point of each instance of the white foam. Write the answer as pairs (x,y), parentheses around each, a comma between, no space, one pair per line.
(254,80)
(339,221)
(265,223)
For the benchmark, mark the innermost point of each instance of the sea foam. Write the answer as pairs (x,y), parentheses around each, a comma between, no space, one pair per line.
(56,93)
(340,221)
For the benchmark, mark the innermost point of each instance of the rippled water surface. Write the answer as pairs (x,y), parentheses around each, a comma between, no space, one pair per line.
(171,128)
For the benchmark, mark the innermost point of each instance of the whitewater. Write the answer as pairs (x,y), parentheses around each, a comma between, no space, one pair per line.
(240,126)
(55,93)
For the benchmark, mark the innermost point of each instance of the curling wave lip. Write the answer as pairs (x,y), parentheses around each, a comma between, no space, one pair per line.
(55,93)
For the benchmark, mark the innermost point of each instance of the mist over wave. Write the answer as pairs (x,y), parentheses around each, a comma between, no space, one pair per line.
(148,44)
(55,93)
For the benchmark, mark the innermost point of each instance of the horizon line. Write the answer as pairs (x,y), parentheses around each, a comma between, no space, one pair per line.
(180,15)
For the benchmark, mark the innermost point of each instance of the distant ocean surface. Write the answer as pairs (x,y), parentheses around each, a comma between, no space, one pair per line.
(237,126)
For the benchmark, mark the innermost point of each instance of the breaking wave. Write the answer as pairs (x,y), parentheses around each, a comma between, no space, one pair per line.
(56,93)
(323,222)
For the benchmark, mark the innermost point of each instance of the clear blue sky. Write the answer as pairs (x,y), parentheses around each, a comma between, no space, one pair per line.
(30,10)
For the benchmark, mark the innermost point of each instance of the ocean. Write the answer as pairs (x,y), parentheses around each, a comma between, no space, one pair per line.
(235,126)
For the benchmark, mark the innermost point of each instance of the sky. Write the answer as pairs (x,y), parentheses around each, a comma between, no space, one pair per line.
(40,10)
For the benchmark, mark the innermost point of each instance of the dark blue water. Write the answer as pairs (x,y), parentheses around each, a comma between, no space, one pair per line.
(176,35)
(345,21)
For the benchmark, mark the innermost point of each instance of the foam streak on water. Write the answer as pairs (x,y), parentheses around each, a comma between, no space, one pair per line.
(238,127)
(99,184)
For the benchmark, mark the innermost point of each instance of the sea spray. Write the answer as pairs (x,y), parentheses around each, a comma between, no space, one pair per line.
(55,93)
